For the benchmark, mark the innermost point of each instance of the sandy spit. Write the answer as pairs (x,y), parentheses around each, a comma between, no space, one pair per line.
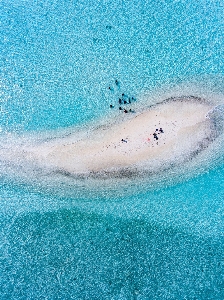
(163,135)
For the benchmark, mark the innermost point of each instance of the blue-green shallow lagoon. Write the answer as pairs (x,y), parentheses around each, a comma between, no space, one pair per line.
(130,241)
(166,244)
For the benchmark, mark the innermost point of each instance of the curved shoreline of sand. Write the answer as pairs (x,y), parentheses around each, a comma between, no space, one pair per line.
(128,148)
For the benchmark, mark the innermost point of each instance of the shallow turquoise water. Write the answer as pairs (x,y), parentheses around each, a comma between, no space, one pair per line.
(128,240)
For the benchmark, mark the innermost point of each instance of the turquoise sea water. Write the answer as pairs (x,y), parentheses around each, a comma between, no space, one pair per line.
(159,238)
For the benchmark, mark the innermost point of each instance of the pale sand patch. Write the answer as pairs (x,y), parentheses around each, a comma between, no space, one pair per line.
(186,130)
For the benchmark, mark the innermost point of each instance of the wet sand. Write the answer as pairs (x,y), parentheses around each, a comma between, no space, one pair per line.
(182,130)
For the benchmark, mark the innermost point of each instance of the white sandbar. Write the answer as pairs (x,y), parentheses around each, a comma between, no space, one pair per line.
(186,130)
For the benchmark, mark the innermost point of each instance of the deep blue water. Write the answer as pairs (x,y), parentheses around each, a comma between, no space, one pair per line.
(135,240)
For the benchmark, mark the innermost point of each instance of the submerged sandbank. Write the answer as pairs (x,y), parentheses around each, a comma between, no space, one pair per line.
(156,139)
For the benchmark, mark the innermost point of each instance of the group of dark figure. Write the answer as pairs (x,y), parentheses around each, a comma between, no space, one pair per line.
(158,131)
(123,100)
(128,100)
